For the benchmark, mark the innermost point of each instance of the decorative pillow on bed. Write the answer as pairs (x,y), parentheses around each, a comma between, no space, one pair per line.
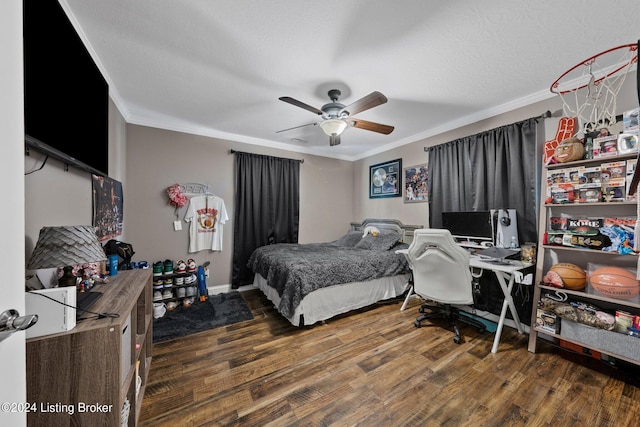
(351,239)
(381,242)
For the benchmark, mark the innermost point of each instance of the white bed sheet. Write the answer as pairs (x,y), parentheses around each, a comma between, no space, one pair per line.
(328,302)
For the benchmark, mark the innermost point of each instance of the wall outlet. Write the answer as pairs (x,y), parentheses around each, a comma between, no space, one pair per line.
(177,225)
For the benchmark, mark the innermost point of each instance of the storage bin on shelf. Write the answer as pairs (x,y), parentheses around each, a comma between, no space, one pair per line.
(623,345)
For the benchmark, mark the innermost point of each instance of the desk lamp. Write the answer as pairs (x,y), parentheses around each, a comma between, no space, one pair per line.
(66,246)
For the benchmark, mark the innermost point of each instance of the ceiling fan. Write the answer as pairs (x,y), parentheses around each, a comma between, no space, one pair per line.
(336,117)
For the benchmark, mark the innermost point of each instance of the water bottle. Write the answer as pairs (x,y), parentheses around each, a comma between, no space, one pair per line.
(588,148)
(113,265)
(202,284)
(514,242)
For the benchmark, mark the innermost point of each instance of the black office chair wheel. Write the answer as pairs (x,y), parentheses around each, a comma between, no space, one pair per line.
(457,337)
(422,310)
(417,324)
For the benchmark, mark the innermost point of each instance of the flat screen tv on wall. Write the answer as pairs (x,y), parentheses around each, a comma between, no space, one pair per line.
(66,98)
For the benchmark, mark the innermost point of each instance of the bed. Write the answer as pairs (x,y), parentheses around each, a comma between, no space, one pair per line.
(313,282)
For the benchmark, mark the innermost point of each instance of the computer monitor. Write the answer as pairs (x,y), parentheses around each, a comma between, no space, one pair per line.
(469,225)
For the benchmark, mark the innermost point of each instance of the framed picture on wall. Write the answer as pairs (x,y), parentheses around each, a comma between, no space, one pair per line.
(385,179)
(107,207)
(415,184)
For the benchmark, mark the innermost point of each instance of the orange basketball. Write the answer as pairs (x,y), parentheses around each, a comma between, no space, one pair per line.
(615,282)
(573,277)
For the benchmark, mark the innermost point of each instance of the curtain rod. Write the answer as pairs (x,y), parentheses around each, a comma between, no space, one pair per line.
(559,113)
(547,114)
(232,151)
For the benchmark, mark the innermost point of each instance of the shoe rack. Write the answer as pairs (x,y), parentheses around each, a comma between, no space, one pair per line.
(96,373)
(175,286)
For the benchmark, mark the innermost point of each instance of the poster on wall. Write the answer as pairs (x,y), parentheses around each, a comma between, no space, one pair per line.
(415,184)
(385,179)
(107,207)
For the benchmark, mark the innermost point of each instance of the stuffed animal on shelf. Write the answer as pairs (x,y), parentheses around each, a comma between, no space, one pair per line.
(569,150)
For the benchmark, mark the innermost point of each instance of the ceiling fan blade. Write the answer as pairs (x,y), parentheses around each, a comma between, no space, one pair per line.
(334,140)
(372,126)
(296,127)
(372,100)
(300,104)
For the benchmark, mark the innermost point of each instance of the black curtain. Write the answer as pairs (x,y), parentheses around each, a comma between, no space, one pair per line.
(267,208)
(495,169)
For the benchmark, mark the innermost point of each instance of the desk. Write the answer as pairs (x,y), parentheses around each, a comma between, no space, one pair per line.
(506,278)
(503,273)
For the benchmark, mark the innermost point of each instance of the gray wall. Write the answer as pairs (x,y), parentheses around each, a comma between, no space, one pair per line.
(148,160)
(158,158)
(413,154)
(55,197)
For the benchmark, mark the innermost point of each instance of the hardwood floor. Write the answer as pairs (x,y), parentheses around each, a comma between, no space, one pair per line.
(373,367)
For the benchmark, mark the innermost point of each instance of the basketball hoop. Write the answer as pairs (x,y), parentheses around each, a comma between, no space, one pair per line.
(589,89)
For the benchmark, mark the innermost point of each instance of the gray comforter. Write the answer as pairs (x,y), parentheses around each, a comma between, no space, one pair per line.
(295,270)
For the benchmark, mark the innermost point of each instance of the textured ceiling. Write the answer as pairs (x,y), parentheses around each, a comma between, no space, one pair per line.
(217,68)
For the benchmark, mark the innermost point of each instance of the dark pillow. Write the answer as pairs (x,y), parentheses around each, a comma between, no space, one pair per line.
(350,239)
(381,242)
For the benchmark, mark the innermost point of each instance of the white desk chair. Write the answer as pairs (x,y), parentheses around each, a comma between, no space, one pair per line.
(441,274)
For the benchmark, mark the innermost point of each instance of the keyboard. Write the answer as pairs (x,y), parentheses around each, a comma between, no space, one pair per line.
(499,253)
(85,300)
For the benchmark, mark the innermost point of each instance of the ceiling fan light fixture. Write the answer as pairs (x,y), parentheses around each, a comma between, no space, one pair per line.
(336,117)
(333,127)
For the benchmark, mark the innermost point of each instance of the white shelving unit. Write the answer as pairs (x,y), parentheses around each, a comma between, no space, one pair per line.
(605,342)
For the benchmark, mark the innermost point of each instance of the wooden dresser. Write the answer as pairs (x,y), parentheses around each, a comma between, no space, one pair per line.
(86,376)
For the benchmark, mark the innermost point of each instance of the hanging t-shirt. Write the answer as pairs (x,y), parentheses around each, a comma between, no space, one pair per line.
(206,215)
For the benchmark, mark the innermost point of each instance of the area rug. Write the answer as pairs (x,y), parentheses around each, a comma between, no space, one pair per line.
(219,310)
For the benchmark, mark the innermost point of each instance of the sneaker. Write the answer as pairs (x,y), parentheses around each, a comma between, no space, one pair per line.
(191,291)
(143,265)
(187,302)
(157,296)
(168,266)
(159,310)
(172,305)
(168,283)
(181,292)
(191,265)
(157,268)
(190,279)
(181,266)
(178,281)
(167,294)
(158,284)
